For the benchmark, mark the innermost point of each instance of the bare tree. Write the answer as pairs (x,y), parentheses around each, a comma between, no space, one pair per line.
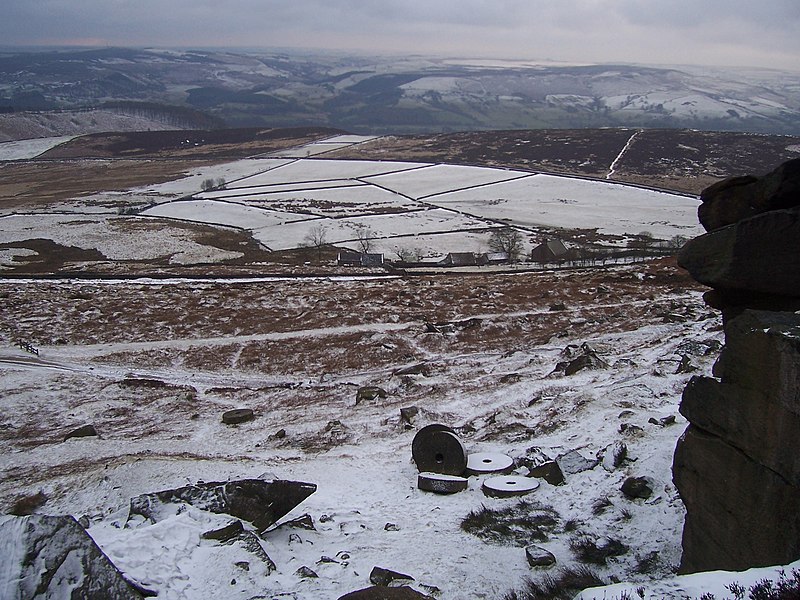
(408,255)
(317,238)
(220,183)
(508,241)
(365,236)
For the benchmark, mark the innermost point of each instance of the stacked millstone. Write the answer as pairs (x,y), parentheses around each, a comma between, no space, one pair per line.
(737,466)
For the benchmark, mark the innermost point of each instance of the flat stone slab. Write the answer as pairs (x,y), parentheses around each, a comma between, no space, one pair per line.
(509,485)
(482,463)
(436,449)
(441,484)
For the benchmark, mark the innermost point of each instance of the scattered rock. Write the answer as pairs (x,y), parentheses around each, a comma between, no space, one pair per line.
(540,465)
(481,463)
(280,434)
(441,484)
(407,414)
(303,522)
(237,415)
(418,369)
(391,527)
(613,456)
(257,501)
(54,557)
(83,431)
(251,543)
(637,487)
(381,576)
(224,534)
(686,365)
(508,486)
(306,573)
(573,462)
(452,326)
(625,414)
(550,471)
(370,392)
(630,430)
(539,557)
(663,421)
(436,449)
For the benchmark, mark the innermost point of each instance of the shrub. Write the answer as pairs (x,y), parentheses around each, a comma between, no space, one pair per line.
(564,586)
(596,552)
(521,524)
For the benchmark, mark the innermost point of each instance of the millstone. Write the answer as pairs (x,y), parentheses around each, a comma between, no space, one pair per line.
(439,451)
(237,415)
(488,462)
(441,484)
(510,485)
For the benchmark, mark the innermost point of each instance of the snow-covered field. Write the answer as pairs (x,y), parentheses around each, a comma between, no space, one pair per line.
(25,149)
(355,193)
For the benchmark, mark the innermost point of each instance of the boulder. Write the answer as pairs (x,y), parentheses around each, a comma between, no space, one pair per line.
(542,466)
(381,576)
(379,592)
(83,431)
(539,557)
(54,557)
(737,198)
(573,462)
(257,501)
(637,487)
(613,455)
(370,392)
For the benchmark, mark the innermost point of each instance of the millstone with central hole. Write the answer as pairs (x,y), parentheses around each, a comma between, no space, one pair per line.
(482,463)
(509,485)
(436,449)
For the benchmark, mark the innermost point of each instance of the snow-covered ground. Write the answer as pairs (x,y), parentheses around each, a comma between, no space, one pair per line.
(355,193)
(25,149)
(499,393)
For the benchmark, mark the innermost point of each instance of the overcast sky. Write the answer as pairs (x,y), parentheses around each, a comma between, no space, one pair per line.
(711,32)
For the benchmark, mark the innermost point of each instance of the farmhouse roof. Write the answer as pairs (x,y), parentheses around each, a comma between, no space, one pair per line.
(460,259)
(549,250)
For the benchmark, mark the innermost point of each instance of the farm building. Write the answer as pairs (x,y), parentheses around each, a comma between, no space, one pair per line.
(348,258)
(549,251)
(460,259)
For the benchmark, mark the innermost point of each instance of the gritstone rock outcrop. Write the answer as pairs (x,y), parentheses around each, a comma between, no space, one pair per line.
(737,466)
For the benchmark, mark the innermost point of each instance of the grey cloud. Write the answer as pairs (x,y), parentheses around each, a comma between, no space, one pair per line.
(586,30)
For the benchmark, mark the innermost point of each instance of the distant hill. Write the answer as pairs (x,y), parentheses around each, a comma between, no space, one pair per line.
(372,95)
(116,116)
